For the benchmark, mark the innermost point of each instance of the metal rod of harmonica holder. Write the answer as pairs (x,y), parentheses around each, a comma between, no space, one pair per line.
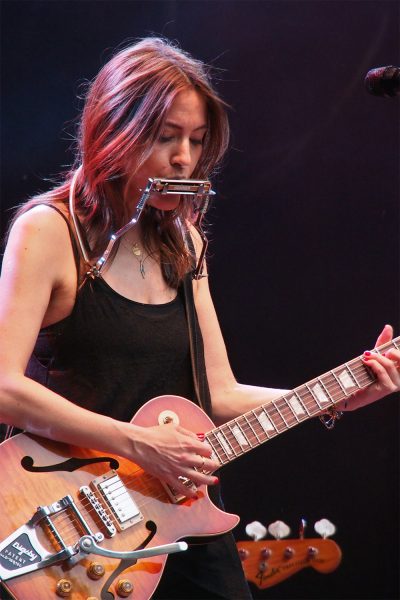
(199,189)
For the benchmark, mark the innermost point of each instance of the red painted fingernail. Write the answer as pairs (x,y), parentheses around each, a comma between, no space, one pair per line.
(201,436)
(216,480)
(367,353)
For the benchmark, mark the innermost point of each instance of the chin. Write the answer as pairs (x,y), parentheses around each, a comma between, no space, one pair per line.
(170,203)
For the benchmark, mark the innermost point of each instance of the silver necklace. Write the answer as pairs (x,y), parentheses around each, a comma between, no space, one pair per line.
(138,254)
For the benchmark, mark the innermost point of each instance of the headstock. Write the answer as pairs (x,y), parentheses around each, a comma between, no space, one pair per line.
(268,562)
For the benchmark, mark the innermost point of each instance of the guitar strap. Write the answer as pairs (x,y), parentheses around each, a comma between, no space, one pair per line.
(195,339)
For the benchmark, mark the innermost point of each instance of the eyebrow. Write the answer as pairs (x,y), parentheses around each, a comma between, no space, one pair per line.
(176,126)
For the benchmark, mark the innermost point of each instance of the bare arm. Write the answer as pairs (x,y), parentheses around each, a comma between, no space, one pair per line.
(231,399)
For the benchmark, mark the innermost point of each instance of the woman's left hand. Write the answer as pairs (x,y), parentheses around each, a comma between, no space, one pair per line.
(386,368)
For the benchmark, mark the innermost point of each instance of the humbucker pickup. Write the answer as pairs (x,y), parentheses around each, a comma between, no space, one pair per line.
(115,495)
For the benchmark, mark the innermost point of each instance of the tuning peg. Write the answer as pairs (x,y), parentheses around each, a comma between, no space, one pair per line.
(256,530)
(324,528)
(302,528)
(278,530)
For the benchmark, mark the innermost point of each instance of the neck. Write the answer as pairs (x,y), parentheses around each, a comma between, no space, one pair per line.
(250,430)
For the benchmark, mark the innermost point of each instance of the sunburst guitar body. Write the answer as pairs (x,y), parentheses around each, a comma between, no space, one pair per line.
(85,491)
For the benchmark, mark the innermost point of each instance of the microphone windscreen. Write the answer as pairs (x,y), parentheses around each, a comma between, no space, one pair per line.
(383,81)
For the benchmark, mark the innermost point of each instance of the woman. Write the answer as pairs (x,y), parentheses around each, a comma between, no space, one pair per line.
(80,353)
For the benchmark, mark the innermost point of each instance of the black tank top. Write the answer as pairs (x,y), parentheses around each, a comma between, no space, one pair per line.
(112,354)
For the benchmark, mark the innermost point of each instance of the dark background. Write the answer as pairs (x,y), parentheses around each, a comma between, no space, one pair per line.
(304,230)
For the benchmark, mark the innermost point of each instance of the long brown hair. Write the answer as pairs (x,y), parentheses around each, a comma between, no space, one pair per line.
(122,116)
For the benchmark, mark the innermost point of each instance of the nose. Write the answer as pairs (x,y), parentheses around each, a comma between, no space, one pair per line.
(181,155)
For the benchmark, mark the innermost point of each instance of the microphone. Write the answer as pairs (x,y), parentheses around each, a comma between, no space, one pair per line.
(383,81)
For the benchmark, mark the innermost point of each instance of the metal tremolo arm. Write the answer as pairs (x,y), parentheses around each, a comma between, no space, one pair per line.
(88,545)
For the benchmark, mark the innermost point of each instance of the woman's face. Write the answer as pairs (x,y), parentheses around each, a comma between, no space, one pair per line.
(176,152)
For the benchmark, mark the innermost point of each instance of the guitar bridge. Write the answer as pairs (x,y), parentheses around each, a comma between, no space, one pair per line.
(173,495)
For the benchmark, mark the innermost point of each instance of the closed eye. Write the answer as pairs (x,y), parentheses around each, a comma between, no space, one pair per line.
(164,139)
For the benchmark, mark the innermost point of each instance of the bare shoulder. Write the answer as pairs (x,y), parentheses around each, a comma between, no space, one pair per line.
(40,237)
(42,218)
(40,226)
(39,277)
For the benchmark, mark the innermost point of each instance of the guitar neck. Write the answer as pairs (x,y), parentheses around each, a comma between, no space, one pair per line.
(250,430)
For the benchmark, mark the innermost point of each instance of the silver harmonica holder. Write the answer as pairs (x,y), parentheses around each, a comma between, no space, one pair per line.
(199,189)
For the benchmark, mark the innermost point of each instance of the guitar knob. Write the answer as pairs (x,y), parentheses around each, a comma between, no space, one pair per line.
(63,588)
(288,553)
(95,571)
(311,551)
(124,588)
(265,553)
(243,553)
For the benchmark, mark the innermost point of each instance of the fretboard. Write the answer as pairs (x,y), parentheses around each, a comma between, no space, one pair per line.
(250,430)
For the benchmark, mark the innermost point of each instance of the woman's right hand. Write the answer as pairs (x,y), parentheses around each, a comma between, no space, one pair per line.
(169,452)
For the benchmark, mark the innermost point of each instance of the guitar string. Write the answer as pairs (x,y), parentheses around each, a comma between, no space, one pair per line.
(281,407)
(308,400)
(287,412)
(70,518)
(67,516)
(289,420)
(71,524)
(360,375)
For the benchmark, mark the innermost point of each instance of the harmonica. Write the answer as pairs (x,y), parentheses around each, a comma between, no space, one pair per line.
(191,187)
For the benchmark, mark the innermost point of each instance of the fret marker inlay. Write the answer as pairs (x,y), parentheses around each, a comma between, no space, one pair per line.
(320,394)
(223,443)
(346,380)
(296,406)
(239,436)
(265,422)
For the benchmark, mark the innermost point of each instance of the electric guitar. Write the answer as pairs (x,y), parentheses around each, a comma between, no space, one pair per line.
(81,524)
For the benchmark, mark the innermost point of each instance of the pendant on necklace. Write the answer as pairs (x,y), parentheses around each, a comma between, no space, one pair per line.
(138,253)
(136,250)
